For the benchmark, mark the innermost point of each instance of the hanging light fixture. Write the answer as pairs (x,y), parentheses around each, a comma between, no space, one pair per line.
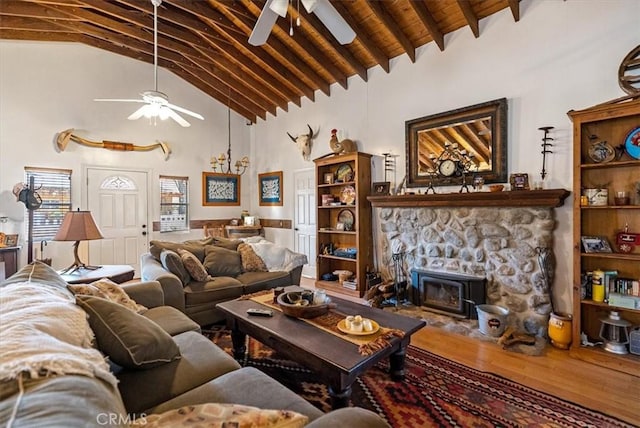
(240,165)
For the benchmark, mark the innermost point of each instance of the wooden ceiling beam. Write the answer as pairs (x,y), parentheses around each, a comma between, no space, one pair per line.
(421,9)
(251,97)
(29,24)
(333,44)
(321,60)
(226,90)
(470,16)
(514,5)
(195,54)
(387,20)
(381,58)
(38,36)
(32,10)
(291,60)
(216,18)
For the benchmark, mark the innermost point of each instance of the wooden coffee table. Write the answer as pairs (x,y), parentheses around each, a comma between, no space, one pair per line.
(336,361)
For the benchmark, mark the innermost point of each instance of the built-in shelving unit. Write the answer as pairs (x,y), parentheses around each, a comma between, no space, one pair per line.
(347,180)
(610,122)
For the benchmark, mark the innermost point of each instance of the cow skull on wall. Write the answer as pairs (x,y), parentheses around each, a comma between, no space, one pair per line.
(303,141)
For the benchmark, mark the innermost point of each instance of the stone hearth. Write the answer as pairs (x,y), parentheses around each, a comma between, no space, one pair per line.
(499,243)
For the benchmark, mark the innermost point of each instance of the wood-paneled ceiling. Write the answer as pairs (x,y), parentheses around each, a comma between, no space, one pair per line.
(205,42)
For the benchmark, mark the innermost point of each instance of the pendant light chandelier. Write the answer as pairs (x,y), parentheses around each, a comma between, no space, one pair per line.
(240,165)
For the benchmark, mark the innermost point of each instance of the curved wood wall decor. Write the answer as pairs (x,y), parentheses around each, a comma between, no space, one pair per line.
(63,138)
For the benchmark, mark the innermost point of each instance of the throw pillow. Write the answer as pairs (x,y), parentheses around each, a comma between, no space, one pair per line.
(128,339)
(37,272)
(194,247)
(172,262)
(229,244)
(194,266)
(107,289)
(251,262)
(222,262)
(221,415)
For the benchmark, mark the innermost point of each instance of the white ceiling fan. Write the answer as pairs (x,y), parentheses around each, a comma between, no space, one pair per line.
(156,103)
(323,9)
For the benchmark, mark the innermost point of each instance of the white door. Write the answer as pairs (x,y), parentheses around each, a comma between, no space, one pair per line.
(118,201)
(305,218)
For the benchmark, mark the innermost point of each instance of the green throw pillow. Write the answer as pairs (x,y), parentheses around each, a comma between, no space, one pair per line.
(194,247)
(128,339)
(172,262)
(222,262)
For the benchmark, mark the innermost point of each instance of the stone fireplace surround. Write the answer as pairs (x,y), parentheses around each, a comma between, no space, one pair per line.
(492,235)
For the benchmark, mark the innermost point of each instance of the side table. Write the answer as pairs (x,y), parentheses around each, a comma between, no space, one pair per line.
(116,273)
(9,255)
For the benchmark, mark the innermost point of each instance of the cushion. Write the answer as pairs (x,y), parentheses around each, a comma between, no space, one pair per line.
(109,290)
(251,262)
(128,339)
(220,261)
(194,247)
(172,262)
(193,266)
(229,244)
(223,415)
(37,272)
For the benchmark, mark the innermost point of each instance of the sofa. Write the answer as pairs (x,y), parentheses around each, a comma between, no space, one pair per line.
(62,363)
(196,275)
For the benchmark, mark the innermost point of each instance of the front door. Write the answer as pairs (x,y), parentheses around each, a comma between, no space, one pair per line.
(118,201)
(305,218)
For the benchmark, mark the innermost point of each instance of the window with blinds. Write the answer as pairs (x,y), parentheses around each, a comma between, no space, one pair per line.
(174,203)
(54,188)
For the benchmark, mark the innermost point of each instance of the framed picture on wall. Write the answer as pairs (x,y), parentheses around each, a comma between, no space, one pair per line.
(270,188)
(11,240)
(220,189)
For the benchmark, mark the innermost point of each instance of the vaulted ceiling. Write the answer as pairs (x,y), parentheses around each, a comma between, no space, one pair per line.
(205,42)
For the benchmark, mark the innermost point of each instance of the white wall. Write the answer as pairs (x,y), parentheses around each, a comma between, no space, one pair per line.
(46,88)
(562,55)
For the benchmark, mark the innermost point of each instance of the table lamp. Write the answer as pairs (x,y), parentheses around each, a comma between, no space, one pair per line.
(78,226)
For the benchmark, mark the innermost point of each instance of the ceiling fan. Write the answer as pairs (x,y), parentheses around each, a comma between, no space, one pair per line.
(156,103)
(323,9)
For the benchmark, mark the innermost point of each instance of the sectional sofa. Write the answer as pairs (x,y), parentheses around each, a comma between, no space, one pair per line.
(108,365)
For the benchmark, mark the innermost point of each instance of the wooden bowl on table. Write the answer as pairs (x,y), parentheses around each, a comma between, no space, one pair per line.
(292,304)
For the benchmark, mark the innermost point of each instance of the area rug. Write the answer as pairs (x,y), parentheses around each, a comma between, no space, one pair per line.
(436,392)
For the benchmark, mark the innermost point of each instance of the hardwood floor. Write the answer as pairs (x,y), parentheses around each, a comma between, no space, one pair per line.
(556,373)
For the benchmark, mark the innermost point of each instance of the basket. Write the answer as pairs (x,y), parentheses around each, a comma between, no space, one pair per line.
(297,311)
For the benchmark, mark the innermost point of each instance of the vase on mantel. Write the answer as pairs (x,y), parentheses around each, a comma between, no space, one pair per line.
(560,326)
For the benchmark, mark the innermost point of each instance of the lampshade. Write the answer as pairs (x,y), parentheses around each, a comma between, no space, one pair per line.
(78,226)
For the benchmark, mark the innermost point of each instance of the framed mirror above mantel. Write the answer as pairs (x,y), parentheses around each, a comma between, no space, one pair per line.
(479,131)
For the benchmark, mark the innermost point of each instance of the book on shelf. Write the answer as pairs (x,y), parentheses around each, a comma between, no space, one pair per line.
(351,285)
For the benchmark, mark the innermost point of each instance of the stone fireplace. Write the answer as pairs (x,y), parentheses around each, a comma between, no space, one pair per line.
(497,236)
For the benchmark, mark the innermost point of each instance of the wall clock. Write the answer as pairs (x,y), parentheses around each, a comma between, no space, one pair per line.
(447,167)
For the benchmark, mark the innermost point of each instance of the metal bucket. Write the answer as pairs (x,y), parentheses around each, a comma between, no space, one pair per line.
(492,319)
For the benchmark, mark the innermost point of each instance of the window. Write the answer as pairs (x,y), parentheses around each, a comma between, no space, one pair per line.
(54,188)
(174,203)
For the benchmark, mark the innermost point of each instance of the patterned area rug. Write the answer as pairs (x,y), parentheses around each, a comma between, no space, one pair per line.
(436,393)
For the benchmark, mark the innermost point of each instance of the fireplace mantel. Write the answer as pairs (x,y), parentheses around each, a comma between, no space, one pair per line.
(519,198)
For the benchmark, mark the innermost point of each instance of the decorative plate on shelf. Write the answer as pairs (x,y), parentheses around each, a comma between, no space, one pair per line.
(601,151)
(346,217)
(348,195)
(344,173)
(632,143)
